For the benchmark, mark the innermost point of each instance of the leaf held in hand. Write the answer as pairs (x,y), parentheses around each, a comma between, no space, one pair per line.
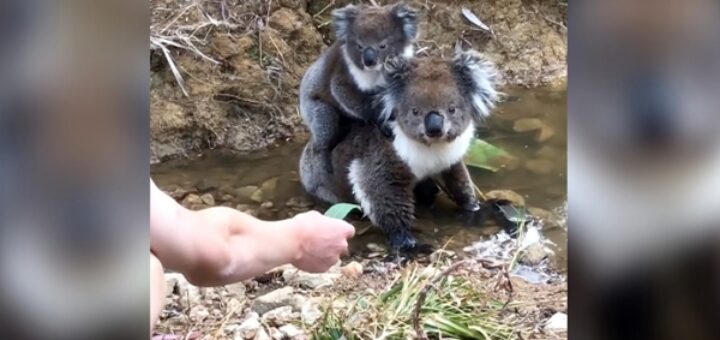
(486,156)
(342,210)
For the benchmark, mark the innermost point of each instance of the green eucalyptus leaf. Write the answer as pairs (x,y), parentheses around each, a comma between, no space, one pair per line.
(486,156)
(342,210)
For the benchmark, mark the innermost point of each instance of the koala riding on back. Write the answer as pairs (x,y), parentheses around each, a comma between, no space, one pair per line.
(432,105)
(339,86)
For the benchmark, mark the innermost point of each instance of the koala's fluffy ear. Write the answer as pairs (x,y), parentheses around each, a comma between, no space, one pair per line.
(395,70)
(478,80)
(343,18)
(408,18)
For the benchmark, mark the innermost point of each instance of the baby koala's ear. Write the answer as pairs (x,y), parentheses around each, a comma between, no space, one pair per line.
(408,19)
(478,80)
(343,19)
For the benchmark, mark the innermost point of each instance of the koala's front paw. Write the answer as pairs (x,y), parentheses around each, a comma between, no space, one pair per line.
(405,248)
(472,206)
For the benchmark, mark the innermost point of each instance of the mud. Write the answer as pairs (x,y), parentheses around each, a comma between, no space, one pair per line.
(239,63)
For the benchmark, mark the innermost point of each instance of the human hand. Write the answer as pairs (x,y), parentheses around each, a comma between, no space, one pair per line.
(321,241)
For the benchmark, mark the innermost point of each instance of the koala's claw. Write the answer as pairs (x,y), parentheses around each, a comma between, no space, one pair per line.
(406,249)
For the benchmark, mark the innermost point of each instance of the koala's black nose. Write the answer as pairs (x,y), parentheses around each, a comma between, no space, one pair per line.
(650,109)
(434,124)
(369,57)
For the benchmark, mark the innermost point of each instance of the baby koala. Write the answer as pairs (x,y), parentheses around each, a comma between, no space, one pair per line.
(339,86)
(432,106)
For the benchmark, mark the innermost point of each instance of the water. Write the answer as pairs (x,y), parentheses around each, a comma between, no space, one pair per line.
(542,182)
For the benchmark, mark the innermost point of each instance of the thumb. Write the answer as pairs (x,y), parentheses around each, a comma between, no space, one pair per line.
(349,231)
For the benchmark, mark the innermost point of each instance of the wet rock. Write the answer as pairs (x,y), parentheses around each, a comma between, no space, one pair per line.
(545,134)
(299,203)
(177,193)
(352,270)
(279,316)
(310,312)
(534,254)
(557,322)
(277,298)
(528,124)
(226,197)
(257,196)
(208,199)
(191,200)
(291,331)
(506,196)
(309,280)
(549,220)
(374,247)
(267,205)
(175,283)
(265,191)
(249,328)
(199,313)
(547,152)
(243,194)
(540,166)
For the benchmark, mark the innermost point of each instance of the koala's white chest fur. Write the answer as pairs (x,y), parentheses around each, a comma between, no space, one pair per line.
(429,160)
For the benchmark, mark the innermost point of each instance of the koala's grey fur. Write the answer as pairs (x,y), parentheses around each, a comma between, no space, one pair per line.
(338,87)
(381,174)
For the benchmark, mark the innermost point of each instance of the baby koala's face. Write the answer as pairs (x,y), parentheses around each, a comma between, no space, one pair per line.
(372,34)
(433,100)
(433,108)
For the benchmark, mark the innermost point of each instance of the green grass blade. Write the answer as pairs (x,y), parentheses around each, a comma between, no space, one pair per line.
(342,210)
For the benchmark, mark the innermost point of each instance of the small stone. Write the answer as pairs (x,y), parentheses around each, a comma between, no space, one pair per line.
(547,152)
(226,197)
(276,334)
(262,335)
(178,193)
(199,313)
(269,186)
(533,254)
(267,205)
(506,196)
(310,312)
(237,290)
(257,196)
(248,328)
(441,254)
(546,132)
(298,301)
(192,199)
(279,316)
(244,193)
(527,124)
(374,247)
(557,322)
(208,199)
(309,280)
(234,306)
(352,270)
(299,203)
(539,166)
(276,298)
(290,331)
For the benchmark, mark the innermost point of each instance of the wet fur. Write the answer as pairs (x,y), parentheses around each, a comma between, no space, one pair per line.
(383,175)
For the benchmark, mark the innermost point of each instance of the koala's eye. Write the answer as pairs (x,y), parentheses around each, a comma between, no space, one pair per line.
(451,110)
(383,46)
(415,111)
(359,47)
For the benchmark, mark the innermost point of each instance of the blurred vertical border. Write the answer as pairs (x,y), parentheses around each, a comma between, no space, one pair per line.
(74,183)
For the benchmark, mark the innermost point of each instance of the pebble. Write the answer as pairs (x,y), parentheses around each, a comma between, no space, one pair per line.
(199,313)
(290,331)
(208,199)
(262,335)
(310,312)
(237,290)
(557,322)
(539,166)
(533,254)
(279,316)
(299,203)
(374,247)
(527,124)
(248,328)
(246,192)
(192,199)
(506,196)
(309,280)
(176,282)
(277,298)
(267,205)
(352,270)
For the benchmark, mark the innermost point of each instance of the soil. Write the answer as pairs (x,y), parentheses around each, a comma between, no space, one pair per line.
(225,73)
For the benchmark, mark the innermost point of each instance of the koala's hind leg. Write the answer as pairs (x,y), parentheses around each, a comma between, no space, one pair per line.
(425,192)
(387,199)
(460,186)
(326,129)
(314,176)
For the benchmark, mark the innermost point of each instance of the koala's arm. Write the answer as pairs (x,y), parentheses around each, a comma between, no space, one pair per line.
(352,101)
(460,186)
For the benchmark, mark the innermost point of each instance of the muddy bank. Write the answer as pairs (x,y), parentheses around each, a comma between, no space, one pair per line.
(224,74)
